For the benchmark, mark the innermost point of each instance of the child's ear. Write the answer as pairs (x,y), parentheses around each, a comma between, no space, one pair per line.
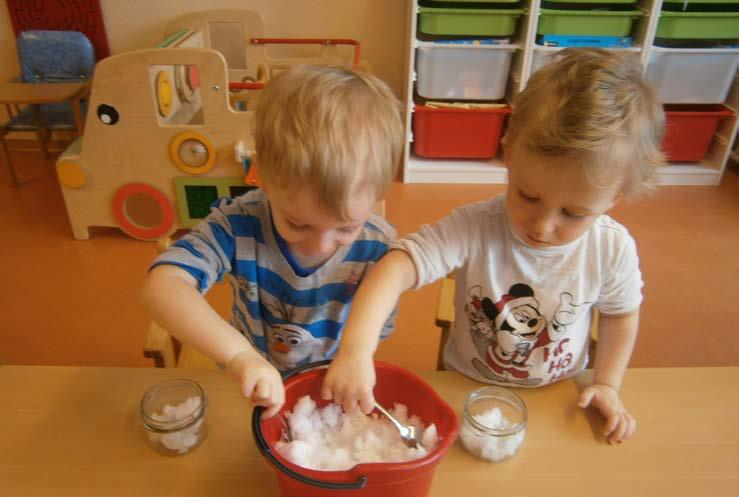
(616,200)
(506,150)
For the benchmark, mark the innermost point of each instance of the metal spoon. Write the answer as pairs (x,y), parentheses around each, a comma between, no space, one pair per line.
(286,434)
(410,434)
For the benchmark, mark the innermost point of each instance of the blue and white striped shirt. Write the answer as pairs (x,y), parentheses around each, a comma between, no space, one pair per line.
(293,316)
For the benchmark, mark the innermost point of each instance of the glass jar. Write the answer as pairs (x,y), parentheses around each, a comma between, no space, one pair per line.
(493,423)
(173,414)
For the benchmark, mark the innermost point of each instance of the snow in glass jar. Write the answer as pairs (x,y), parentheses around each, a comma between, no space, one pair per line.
(173,414)
(493,423)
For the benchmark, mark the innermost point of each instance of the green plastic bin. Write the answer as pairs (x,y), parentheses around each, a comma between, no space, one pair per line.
(700,1)
(599,2)
(587,22)
(470,22)
(481,2)
(470,4)
(698,25)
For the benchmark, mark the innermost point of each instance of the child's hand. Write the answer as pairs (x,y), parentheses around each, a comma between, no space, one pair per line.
(620,425)
(259,380)
(350,379)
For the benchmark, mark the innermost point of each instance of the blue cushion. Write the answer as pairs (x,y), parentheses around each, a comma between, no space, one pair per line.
(52,57)
(55,56)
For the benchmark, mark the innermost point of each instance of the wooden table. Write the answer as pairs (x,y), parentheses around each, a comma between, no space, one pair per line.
(68,431)
(15,94)
(28,93)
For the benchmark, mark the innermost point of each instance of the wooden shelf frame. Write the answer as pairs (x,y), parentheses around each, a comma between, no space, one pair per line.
(420,170)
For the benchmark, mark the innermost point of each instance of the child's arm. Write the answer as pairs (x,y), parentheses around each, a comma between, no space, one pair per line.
(351,377)
(429,254)
(170,294)
(616,338)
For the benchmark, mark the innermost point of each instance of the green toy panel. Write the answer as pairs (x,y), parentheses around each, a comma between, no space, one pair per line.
(198,199)
(75,148)
(587,22)
(698,25)
(169,40)
(239,190)
(195,195)
(470,22)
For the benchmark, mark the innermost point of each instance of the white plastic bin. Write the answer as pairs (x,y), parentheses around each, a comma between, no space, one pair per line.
(544,56)
(463,72)
(692,75)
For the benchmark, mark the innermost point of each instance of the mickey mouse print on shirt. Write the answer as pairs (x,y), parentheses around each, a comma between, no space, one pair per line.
(507,333)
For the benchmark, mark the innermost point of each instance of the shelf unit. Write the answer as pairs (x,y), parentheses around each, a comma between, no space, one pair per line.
(421,170)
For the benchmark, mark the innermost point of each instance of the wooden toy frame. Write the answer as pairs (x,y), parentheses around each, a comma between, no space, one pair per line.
(146,104)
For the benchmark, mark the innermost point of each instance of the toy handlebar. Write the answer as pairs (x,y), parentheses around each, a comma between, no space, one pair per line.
(297,41)
(313,41)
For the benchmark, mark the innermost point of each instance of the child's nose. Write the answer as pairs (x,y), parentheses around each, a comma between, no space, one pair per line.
(320,244)
(543,223)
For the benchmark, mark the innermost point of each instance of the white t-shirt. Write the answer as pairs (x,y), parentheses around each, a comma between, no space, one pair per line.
(522,314)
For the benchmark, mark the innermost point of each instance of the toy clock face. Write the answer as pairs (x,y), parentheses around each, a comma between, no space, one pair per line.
(192,152)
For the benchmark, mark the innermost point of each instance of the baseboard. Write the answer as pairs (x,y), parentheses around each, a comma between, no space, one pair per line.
(59,141)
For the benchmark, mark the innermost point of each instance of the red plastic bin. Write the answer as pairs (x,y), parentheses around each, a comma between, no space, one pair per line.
(689,130)
(451,133)
(404,479)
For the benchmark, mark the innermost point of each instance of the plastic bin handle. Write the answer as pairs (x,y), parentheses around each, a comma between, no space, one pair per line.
(256,421)
(313,41)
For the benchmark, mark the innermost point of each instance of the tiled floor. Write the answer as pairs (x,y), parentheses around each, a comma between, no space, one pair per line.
(76,302)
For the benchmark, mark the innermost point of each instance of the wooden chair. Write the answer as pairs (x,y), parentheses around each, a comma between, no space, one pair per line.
(444,316)
(445,320)
(166,350)
(56,67)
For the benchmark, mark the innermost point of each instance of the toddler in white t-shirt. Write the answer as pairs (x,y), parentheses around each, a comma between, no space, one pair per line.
(533,263)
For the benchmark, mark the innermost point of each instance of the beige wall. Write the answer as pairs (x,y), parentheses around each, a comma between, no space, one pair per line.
(132,24)
(8,58)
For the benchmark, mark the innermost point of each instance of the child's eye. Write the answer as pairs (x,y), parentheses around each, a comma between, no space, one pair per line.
(295,226)
(571,215)
(348,230)
(527,198)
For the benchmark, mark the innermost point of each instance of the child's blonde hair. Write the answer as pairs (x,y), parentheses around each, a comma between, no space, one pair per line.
(331,129)
(592,107)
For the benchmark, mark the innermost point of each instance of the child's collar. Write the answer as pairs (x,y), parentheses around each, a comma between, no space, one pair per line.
(297,268)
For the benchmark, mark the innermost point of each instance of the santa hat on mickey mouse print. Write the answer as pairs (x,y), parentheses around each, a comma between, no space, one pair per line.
(519,295)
